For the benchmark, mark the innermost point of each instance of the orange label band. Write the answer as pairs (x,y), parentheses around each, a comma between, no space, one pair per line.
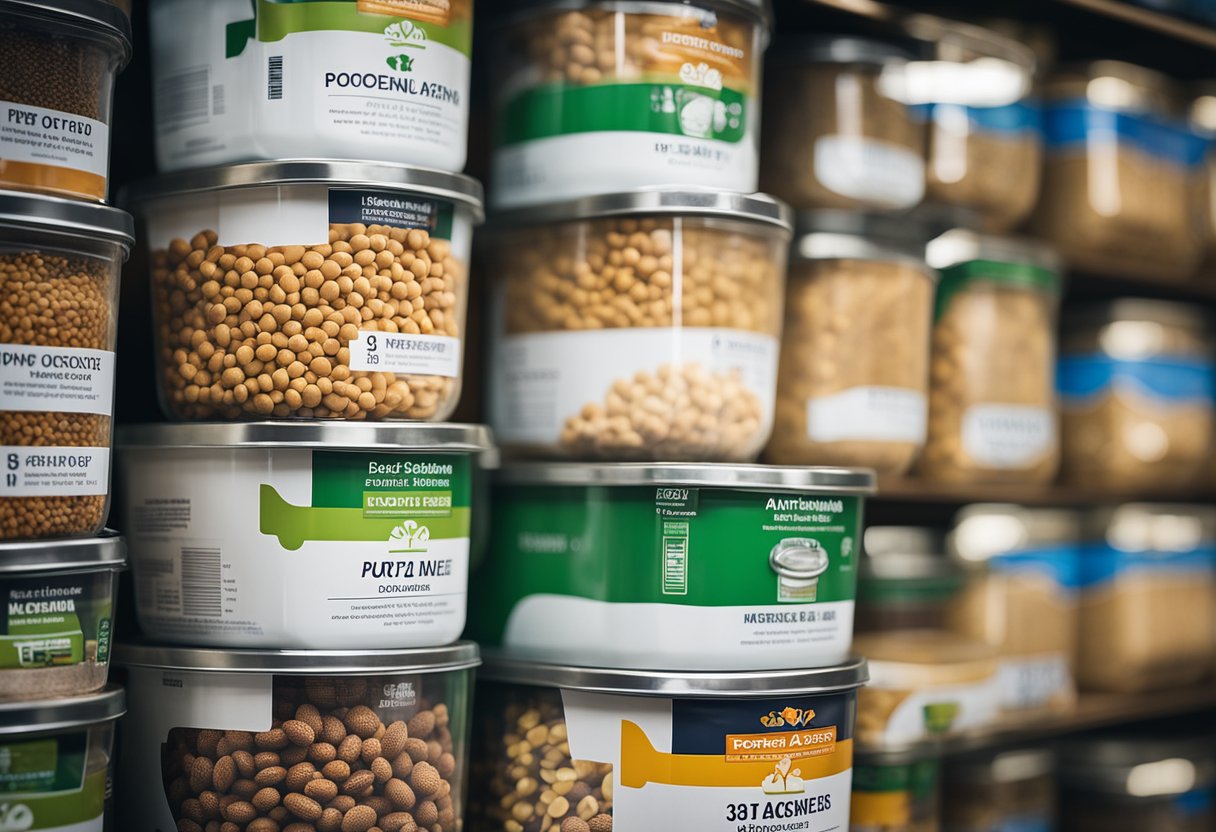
(24,176)
(814,742)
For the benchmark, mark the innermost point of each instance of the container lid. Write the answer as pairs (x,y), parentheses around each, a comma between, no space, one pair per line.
(338,436)
(1139,310)
(686,685)
(1156,527)
(1138,766)
(46,715)
(695,475)
(106,551)
(1014,766)
(93,17)
(372,175)
(841,49)
(961,246)
(1116,85)
(834,235)
(758,9)
(924,647)
(983,531)
(969,65)
(458,656)
(760,208)
(76,218)
(799,559)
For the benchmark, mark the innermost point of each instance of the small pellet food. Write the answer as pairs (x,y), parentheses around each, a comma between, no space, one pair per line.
(639,326)
(60,262)
(324,742)
(346,302)
(896,793)
(1011,789)
(853,383)
(659,94)
(574,750)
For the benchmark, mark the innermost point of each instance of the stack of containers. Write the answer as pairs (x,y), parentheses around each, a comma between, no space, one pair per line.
(301,531)
(61,252)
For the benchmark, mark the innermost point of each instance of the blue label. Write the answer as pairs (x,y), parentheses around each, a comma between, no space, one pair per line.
(1021,117)
(1018,823)
(1195,803)
(700,726)
(1061,564)
(1082,377)
(1101,563)
(1070,125)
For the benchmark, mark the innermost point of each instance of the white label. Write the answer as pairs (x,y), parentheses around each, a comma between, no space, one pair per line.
(38,136)
(875,172)
(1008,435)
(873,414)
(54,472)
(1035,681)
(939,711)
(56,380)
(390,352)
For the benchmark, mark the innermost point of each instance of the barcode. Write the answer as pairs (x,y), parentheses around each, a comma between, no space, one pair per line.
(217,100)
(274,74)
(201,572)
(181,99)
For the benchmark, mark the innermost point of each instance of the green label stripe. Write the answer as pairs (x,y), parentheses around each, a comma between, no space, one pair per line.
(43,649)
(48,621)
(59,810)
(919,778)
(560,110)
(43,783)
(957,278)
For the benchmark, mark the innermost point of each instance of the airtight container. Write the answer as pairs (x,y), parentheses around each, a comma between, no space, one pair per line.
(310,290)
(905,580)
(61,261)
(648,751)
(896,793)
(639,326)
(838,132)
(594,97)
(1006,790)
(992,403)
(254,738)
(300,535)
(1148,598)
(57,92)
(683,567)
(1137,383)
(853,383)
(382,80)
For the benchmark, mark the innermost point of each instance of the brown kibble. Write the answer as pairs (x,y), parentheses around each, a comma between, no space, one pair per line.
(300,775)
(223,774)
(422,724)
(370,750)
(398,822)
(262,825)
(417,749)
(240,812)
(427,814)
(310,716)
(393,741)
(359,819)
(270,776)
(299,732)
(357,782)
(425,779)
(321,790)
(244,762)
(401,795)
(332,730)
(350,749)
(303,807)
(362,721)
(266,799)
(600,823)
(575,825)
(336,770)
(274,740)
(201,774)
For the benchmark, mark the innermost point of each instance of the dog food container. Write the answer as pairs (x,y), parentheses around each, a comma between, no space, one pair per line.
(594,97)
(264,739)
(61,61)
(649,751)
(640,326)
(896,793)
(685,567)
(992,401)
(853,383)
(294,535)
(312,290)
(905,580)
(61,261)
(382,80)
(1137,383)
(837,131)
(1008,790)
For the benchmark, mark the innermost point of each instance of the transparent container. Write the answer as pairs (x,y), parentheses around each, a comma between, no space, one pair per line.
(1137,393)
(992,402)
(57,90)
(639,326)
(1007,790)
(60,261)
(853,383)
(905,580)
(835,134)
(1203,121)
(309,290)
(896,793)
(1123,181)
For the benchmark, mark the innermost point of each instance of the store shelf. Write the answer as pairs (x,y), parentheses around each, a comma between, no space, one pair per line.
(896,489)
(1164,24)
(1201,289)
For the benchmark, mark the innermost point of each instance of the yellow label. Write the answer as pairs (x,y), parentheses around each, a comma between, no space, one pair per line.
(719,55)
(816,742)
(881,808)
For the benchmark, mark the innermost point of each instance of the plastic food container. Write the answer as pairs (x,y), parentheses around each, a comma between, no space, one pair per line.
(639,326)
(896,793)
(1137,383)
(383,80)
(682,567)
(326,290)
(1123,180)
(595,97)
(57,90)
(1148,598)
(905,580)
(1008,790)
(292,535)
(853,383)
(348,739)
(992,402)
(61,262)
(646,751)
(924,684)
(1021,597)
(837,134)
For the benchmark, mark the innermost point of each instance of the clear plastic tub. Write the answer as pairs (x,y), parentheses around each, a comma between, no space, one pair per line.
(896,793)
(639,326)
(853,383)
(1137,382)
(905,580)
(309,290)
(1007,790)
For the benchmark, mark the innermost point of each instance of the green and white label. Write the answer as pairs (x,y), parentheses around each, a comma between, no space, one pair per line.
(56,621)
(45,785)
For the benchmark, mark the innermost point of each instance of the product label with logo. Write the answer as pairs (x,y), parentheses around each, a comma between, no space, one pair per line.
(39,145)
(56,380)
(54,471)
(935,711)
(53,784)
(56,621)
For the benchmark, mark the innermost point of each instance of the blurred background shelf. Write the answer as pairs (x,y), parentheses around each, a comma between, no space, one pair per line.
(906,490)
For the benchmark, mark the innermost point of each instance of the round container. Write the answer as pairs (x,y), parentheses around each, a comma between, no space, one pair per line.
(648,752)
(599,96)
(992,403)
(896,793)
(1137,382)
(686,567)
(61,261)
(57,93)
(853,383)
(905,580)
(57,755)
(835,133)
(1004,791)
(301,536)
(312,290)
(1203,121)
(383,80)
(239,735)
(639,326)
